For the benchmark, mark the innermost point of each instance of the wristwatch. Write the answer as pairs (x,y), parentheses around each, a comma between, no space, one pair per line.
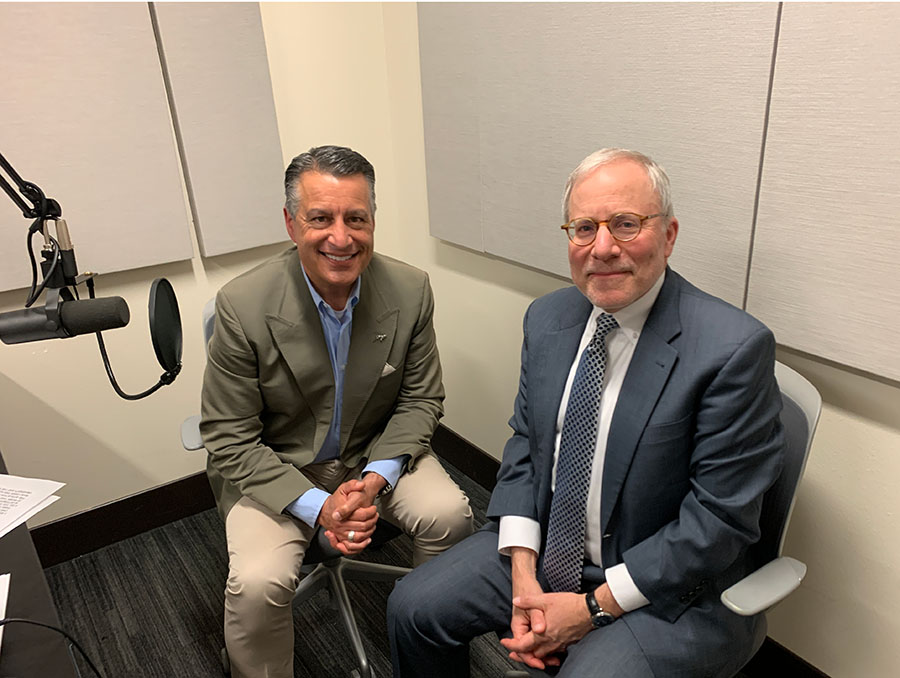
(599,616)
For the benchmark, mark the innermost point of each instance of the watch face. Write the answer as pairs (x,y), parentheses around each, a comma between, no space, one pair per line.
(602,619)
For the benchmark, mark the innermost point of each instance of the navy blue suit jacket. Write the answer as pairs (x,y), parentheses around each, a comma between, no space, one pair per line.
(694,443)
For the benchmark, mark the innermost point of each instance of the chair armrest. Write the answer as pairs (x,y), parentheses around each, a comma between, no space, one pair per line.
(190,433)
(760,590)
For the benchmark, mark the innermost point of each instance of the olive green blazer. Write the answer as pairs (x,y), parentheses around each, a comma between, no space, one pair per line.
(268,390)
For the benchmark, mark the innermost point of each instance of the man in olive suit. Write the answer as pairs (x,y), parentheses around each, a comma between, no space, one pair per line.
(321,394)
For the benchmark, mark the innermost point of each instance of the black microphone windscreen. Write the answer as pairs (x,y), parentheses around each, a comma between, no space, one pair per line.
(93,315)
(165,324)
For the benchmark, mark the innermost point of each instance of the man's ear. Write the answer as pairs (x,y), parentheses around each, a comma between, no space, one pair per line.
(671,235)
(290,224)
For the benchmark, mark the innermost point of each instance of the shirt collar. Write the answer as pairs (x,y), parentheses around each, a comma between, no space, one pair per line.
(319,301)
(631,319)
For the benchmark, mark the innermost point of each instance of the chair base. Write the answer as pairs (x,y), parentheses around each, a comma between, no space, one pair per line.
(325,568)
(331,575)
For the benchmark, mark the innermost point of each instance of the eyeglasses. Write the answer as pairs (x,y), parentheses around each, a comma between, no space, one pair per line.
(623,227)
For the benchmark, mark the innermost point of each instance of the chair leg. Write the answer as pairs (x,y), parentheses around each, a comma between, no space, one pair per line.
(346,610)
(358,569)
(311,584)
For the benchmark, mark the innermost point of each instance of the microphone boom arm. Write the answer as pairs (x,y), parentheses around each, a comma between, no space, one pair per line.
(59,272)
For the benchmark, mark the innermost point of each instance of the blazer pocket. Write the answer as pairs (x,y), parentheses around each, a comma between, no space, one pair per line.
(674,430)
(388,369)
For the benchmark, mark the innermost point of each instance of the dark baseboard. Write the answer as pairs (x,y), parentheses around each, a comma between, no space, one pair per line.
(90,530)
(774,659)
(471,460)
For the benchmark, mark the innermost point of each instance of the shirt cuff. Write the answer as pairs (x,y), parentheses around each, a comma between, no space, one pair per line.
(518,531)
(623,588)
(389,469)
(308,505)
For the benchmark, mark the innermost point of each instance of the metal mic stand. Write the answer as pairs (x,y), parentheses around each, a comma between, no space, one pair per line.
(60,272)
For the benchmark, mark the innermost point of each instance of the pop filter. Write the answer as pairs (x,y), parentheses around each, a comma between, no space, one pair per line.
(165,325)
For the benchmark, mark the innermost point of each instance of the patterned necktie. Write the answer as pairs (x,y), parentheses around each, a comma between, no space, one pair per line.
(564,552)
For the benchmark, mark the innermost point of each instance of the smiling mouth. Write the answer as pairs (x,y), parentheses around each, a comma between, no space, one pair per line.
(335,257)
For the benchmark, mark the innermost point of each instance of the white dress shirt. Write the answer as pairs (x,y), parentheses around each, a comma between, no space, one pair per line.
(620,345)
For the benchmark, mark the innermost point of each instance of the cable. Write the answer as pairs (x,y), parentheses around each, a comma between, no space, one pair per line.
(108,367)
(15,620)
(33,296)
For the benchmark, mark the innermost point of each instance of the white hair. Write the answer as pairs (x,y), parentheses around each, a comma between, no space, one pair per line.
(658,177)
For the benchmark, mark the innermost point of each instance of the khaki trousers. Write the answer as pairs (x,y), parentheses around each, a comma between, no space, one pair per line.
(265,552)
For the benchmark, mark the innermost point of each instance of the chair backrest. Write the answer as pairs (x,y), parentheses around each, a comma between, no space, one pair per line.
(208,319)
(800,416)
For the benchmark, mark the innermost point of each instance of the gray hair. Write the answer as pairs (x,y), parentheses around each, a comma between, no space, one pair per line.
(658,177)
(337,161)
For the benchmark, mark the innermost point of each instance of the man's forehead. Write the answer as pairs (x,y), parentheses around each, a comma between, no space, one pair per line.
(318,188)
(619,178)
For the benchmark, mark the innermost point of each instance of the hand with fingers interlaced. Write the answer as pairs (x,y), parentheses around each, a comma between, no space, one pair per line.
(349,515)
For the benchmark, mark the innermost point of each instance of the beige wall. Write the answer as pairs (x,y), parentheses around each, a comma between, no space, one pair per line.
(348,74)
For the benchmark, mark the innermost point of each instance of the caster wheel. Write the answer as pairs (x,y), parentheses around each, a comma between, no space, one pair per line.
(226,662)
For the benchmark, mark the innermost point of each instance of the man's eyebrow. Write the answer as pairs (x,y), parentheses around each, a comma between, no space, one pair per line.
(359,212)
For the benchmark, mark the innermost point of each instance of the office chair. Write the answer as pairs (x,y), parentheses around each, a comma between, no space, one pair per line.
(776,576)
(324,567)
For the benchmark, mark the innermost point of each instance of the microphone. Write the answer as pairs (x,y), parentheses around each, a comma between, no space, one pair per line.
(68,319)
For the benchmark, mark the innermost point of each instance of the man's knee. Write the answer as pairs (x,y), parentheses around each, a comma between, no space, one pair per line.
(448,517)
(413,607)
(441,521)
(262,581)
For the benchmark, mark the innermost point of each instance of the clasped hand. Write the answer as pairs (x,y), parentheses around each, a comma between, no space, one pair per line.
(350,508)
(544,625)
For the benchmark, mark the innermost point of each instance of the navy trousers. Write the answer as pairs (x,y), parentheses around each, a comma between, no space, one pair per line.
(439,607)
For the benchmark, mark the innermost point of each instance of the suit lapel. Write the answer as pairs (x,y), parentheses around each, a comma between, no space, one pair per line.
(371,339)
(652,362)
(297,331)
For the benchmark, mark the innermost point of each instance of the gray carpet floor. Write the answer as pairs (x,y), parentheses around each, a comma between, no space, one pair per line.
(151,606)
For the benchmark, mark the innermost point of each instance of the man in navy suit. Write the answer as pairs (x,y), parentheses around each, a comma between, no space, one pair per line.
(651,488)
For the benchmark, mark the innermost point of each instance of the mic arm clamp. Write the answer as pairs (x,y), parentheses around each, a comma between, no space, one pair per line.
(41,208)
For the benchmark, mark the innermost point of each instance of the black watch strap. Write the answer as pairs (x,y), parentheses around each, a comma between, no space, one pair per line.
(599,616)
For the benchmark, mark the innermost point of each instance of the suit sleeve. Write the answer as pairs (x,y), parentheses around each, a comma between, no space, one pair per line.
(231,423)
(419,404)
(514,491)
(737,456)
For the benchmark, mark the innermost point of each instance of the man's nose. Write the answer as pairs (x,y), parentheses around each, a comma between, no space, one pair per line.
(604,244)
(339,234)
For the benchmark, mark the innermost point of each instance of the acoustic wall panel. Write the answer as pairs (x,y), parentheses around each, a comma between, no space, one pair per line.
(450,61)
(549,83)
(825,274)
(215,54)
(84,116)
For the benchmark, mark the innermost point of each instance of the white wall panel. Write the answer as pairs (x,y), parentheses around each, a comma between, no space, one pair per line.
(84,116)
(826,265)
(450,62)
(685,83)
(219,73)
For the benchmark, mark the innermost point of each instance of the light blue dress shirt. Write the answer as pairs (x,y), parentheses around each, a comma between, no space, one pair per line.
(337,326)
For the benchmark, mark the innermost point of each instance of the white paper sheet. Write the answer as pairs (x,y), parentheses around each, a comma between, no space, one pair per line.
(21,498)
(4,594)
